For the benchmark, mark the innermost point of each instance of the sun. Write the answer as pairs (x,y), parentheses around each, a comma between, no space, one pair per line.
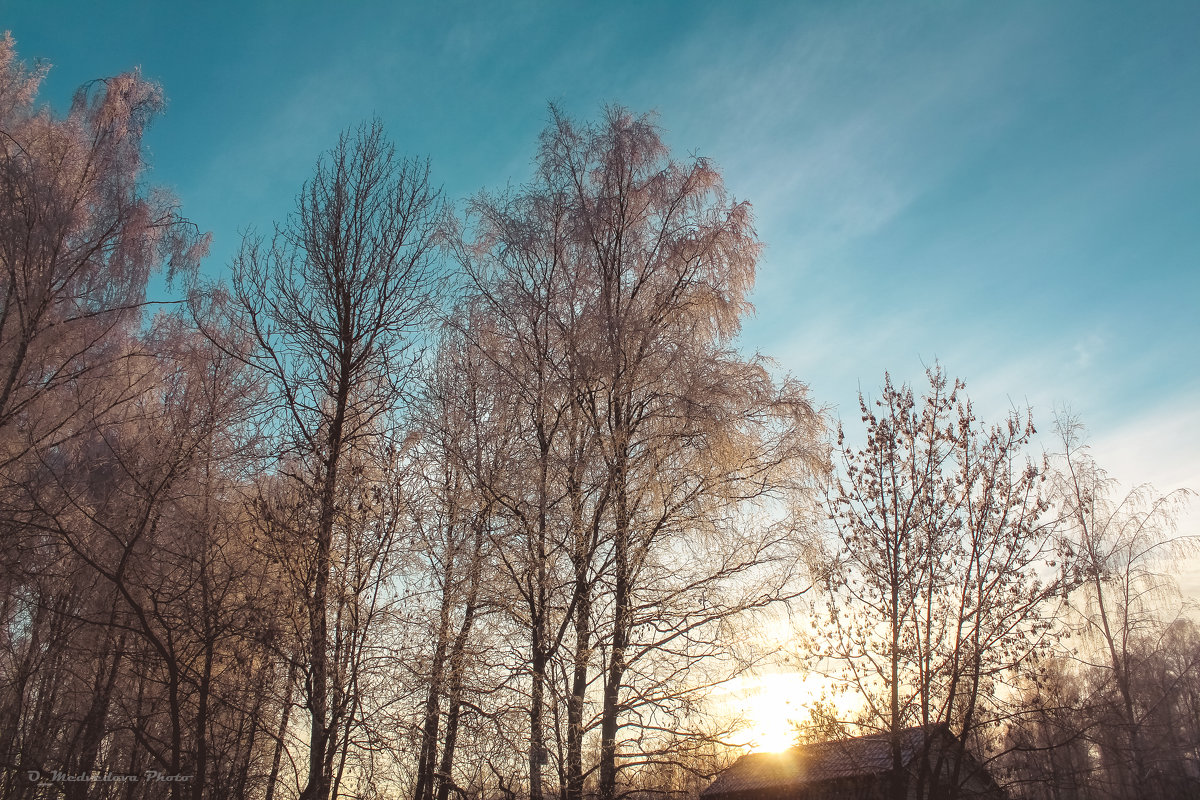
(773,704)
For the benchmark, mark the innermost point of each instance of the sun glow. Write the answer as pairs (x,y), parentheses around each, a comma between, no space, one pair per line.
(772,705)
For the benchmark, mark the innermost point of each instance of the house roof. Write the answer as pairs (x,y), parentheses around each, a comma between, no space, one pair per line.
(814,763)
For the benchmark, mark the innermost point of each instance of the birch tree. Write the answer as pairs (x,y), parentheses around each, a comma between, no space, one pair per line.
(617,278)
(685,428)
(465,440)
(521,293)
(79,238)
(80,235)
(1121,548)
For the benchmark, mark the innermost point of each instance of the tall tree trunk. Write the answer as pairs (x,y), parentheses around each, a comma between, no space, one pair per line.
(584,551)
(1120,667)
(427,757)
(622,612)
(458,670)
(318,610)
(273,778)
(92,730)
(454,709)
(578,689)
(537,734)
(251,721)
(899,787)
(540,646)
(202,700)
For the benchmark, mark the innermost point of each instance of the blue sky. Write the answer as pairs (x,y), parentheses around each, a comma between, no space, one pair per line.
(1012,188)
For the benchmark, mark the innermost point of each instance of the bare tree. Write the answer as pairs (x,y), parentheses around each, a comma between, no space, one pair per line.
(144,508)
(463,448)
(334,303)
(1072,738)
(1120,549)
(520,277)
